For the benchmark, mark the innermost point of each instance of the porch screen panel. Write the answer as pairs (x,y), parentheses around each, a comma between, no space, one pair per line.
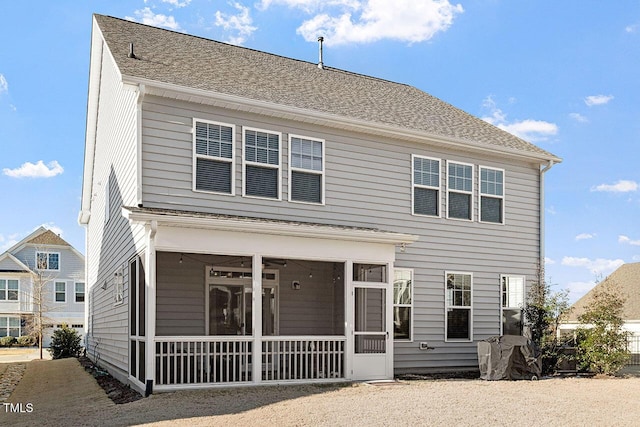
(141,298)
(370,328)
(213,175)
(133,291)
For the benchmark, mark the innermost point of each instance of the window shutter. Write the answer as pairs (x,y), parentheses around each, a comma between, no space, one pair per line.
(261,182)
(491,210)
(212,175)
(425,201)
(459,205)
(306,187)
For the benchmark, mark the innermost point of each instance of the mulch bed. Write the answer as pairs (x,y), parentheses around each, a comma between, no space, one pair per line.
(116,391)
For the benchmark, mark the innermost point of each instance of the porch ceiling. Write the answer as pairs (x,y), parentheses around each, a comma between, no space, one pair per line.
(175,218)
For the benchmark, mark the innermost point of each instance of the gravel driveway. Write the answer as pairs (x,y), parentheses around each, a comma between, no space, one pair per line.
(62,393)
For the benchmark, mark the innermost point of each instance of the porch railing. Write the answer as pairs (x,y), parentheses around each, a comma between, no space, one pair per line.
(209,360)
(302,358)
(633,344)
(203,360)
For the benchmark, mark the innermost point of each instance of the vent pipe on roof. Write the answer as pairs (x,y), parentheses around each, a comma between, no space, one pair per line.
(131,54)
(320,64)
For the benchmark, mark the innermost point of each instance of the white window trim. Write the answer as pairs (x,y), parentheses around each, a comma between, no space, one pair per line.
(311,171)
(524,294)
(414,185)
(480,194)
(75,293)
(263,165)
(220,159)
(411,309)
(446,307)
(48,269)
(55,291)
(470,193)
(6,290)
(5,330)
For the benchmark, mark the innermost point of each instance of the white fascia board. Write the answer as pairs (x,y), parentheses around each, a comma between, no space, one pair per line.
(97,43)
(169,90)
(18,263)
(267,227)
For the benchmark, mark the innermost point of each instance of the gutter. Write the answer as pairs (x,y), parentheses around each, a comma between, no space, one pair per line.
(544,170)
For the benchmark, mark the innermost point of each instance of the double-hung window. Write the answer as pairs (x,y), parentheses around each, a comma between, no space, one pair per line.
(458,299)
(48,261)
(512,295)
(460,191)
(9,289)
(79,291)
(491,195)
(10,326)
(426,185)
(306,169)
(261,163)
(213,148)
(402,304)
(60,291)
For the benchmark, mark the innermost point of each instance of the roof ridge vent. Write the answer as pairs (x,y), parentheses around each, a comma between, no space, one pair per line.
(320,63)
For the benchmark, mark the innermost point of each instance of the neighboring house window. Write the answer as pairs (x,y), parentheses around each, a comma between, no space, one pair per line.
(306,170)
(261,163)
(512,295)
(402,304)
(491,195)
(47,261)
(10,327)
(426,186)
(61,291)
(213,157)
(460,191)
(9,289)
(118,289)
(458,306)
(79,292)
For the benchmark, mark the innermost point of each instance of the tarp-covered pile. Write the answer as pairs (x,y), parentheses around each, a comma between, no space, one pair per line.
(509,357)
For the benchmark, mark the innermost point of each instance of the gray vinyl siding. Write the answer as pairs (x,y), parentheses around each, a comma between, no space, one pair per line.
(111,244)
(368,183)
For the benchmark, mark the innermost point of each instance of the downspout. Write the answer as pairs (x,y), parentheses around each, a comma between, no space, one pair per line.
(546,168)
(150,278)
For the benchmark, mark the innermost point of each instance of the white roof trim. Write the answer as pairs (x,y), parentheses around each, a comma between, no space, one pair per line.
(169,90)
(17,261)
(281,228)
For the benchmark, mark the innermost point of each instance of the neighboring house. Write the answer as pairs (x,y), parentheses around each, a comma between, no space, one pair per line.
(252,218)
(41,274)
(627,280)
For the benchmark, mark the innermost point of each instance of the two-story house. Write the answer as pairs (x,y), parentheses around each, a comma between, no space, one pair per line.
(252,218)
(41,276)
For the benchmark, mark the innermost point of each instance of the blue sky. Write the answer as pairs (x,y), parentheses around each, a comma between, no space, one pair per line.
(561,74)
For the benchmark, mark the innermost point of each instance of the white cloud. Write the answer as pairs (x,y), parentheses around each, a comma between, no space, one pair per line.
(627,240)
(552,210)
(597,100)
(176,3)
(367,21)
(631,28)
(52,227)
(146,16)
(37,170)
(578,289)
(239,24)
(599,266)
(549,261)
(530,130)
(622,186)
(4,86)
(579,118)
(585,236)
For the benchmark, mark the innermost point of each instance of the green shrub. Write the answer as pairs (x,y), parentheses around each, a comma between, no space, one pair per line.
(26,341)
(602,343)
(7,341)
(65,343)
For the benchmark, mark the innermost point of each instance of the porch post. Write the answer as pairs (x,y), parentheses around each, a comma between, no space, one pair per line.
(256,366)
(150,312)
(348,318)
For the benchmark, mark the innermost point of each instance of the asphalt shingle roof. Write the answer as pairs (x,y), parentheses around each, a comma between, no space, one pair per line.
(194,62)
(627,279)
